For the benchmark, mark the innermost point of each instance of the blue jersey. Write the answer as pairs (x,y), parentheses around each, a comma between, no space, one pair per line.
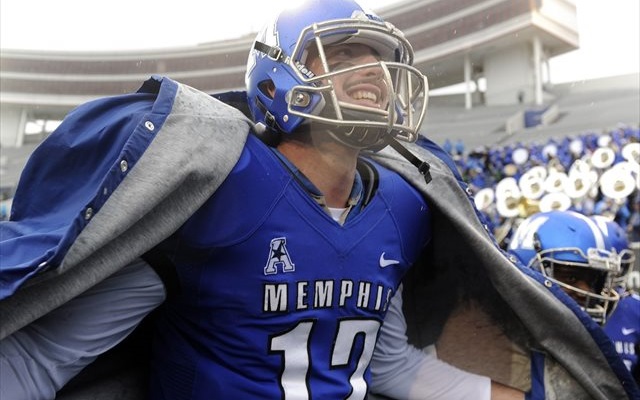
(623,327)
(277,300)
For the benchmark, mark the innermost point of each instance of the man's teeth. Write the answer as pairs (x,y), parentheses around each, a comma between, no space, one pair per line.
(362,94)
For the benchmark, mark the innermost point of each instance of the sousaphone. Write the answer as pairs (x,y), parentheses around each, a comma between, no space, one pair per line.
(617,183)
(507,196)
(578,185)
(603,157)
(630,167)
(484,198)
(539,171)
(558,201)
(555,182)
(531,185)
(631,152)
(581,180)
(580,166)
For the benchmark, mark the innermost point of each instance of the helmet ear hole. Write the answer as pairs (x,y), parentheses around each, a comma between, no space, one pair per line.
(268,88)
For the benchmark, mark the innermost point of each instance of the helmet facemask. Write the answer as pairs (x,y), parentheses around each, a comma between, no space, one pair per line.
(627,260)
(597,269)
(395,104)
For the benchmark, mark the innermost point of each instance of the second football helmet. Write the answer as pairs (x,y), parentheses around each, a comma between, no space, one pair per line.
(571,250)
(284,93)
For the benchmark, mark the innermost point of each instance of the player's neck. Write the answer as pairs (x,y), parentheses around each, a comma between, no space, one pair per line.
(330,166)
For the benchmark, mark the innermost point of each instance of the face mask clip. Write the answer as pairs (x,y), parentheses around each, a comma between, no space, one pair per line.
(274,53)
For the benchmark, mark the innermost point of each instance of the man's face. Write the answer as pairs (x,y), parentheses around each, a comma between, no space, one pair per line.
(585,279)
(364,87)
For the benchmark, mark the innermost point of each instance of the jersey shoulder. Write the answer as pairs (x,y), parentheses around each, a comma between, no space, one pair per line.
(242,202)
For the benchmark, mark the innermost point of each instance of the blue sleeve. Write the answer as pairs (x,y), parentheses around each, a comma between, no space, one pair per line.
(70,176)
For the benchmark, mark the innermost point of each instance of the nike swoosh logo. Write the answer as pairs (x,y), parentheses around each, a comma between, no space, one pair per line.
(387,262)
(626,331)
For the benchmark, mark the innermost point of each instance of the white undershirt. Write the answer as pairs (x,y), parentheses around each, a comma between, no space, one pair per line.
(336,213)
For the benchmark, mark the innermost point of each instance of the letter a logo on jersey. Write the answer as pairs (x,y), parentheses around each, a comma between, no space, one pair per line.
(279,257)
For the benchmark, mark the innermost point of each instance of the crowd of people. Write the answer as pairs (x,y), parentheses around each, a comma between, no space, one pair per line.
(591,173)
(570,209)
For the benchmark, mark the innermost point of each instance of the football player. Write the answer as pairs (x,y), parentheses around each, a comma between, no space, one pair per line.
(570,249)
(285,296)
(290,236)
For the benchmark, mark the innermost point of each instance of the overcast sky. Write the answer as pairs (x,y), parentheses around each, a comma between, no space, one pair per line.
(609,29)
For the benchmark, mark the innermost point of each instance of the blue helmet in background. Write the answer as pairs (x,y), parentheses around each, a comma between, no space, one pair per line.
(284,94)
(572,251)
(617,240)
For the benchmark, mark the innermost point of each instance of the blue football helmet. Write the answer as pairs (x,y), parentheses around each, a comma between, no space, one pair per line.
(616,240)
(570,250)
(278,64)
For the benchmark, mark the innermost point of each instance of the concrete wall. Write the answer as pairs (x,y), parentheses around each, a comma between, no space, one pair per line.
(12,125)
(509,72)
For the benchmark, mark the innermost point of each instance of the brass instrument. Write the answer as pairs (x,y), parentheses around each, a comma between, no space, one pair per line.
(538,171)
(510,201)
(578,185)
(603,157)
(531,185)
(631,152)
(554,201)
(617,183)
(555,182)
(580,166)
(484,198)
(508,197)
(630,167)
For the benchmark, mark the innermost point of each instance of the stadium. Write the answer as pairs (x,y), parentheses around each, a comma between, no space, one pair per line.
(522,144)
(496,52)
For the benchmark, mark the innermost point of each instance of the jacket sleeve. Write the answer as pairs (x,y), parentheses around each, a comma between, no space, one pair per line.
(118,176)
(67,180)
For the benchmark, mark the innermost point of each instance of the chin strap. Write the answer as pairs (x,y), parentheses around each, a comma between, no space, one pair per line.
(423,166)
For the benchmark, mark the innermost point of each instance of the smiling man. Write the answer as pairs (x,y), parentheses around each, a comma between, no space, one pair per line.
(341,231)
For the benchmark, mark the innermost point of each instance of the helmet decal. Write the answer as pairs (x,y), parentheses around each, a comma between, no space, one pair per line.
(524,236)
(268,36)
(366,15)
